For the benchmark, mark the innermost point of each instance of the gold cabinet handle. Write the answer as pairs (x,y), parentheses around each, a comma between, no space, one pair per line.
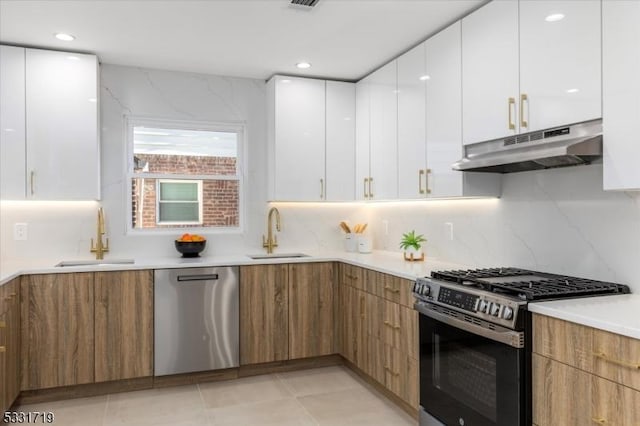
(351,277)
(426,181)
(390,371)
(603,356)
(3,324)
(364,190)
(599,420)
(321,189)
(32,178)
(390,325)
(370,181)
(10,296)
(361,307)
(420,174)
(523,98)
(392,290)
(511,104)
(3,349)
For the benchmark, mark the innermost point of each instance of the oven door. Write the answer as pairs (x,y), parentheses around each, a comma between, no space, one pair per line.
(469,374)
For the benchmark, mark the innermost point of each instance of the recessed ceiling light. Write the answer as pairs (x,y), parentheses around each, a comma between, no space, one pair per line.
(9,130)
(73,58)
(554,17)
(425,77)
(572,90)
(64,37)
(94,100)
(303,65)
(285,81)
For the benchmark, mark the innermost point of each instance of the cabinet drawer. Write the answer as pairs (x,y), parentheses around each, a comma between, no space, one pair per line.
(563,395)
(605,354)
(352,276)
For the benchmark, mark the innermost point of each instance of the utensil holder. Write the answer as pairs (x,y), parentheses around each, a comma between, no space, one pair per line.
(351,242)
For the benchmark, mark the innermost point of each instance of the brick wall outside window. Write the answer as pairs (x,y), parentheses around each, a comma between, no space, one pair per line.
(220,197)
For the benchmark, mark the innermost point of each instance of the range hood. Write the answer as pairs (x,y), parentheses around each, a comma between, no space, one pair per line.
(557,147)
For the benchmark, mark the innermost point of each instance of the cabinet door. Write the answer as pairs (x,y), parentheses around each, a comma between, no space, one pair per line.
(341,143)
(58,330)
(444,112)
(620,93)
(412,78)
(560,63)
(264,306)
(311,310)
(123,325)
(10,328)
(63,160)
(363,135)
(383,183)
(12,124)
(490,72)
(299,138)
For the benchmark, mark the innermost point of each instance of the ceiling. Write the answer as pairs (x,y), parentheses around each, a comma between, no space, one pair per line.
(342,39)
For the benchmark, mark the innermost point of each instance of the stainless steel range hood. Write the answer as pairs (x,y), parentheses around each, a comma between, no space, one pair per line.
(557,147)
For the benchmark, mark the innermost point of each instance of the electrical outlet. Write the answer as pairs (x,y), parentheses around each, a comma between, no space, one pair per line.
(20,231)
(449,226)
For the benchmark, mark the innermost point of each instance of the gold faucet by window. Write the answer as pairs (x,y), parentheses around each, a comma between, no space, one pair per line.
(99,248)
(271,241)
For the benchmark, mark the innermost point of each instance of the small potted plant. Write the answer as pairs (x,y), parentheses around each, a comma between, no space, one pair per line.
(412,244)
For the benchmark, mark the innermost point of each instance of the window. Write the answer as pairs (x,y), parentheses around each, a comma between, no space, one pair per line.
(184,175)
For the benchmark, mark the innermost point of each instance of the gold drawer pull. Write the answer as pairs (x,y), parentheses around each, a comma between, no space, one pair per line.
(392,290)
(361,307)
(351,277)
(604,356)
(10,296)
(393,373)
(3,349)
(388,324)
(3,324)
(511,103)
(599,420)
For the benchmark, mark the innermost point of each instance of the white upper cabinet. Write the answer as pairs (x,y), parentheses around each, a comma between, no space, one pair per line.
(412,79)
(530,65)
(340,146)
(311,139)
(490,72)
(299,138)
(12,124)
(383,110)
(621,94)
(60,124)
(560,63)
(444,123)
(363,132)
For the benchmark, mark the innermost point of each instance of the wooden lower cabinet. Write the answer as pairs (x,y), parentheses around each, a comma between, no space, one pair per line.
(10,344)
(311,310)
(57,330)
(123,325)
(565,395)
(264,310)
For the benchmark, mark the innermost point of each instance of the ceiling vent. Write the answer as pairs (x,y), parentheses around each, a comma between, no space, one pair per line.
(305,3)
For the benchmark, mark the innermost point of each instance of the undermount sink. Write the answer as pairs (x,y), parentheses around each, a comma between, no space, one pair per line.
(95,262)
(277,256)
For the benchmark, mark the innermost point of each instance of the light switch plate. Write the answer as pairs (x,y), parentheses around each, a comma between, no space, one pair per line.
(20,231)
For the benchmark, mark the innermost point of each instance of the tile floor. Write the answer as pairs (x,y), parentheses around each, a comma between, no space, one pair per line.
(321,396)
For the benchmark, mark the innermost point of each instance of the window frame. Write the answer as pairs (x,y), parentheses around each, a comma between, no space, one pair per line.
(200,201)
(238,127)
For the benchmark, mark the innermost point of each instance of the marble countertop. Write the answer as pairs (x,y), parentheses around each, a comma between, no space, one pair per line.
(382,261)
(618,314)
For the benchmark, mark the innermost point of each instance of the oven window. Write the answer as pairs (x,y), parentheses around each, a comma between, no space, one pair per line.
(467,375)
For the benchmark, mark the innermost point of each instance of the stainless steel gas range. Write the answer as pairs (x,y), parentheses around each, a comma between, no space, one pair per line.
(475,341)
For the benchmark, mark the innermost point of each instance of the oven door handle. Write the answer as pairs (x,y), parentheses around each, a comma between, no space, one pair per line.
(500,334)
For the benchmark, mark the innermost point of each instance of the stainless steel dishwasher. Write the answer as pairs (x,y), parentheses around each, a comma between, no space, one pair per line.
(196,319)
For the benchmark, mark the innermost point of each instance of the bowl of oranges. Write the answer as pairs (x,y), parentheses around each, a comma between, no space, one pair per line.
(191,245)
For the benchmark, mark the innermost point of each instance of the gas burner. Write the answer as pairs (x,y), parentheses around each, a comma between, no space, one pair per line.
(528,285)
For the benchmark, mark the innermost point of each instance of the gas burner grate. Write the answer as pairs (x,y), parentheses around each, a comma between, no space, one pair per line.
(544,286)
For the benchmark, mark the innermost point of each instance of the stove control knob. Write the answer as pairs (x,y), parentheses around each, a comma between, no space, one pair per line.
(495,309)
(425,290)
(483,305)
(507,313)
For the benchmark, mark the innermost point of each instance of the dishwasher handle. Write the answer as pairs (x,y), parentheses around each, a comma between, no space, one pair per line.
(203,277)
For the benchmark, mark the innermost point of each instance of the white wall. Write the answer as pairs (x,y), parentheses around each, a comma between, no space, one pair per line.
(556,220)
